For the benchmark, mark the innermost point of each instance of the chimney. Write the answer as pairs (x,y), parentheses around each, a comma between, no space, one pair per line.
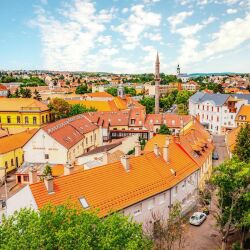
(156,149)
(49,184)
(105,157)
(32,175)
(125,162)
(68,168)
(137,148)
(166,150)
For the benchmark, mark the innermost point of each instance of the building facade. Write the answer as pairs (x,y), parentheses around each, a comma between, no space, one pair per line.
(217,112)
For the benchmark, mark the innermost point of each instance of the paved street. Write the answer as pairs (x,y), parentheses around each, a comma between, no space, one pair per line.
(220,147)
(206,236)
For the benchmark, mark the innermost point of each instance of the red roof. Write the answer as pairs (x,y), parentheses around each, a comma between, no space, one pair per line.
(70,131)
(3,87)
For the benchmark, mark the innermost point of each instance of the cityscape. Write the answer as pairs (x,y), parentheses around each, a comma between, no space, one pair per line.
(128,128)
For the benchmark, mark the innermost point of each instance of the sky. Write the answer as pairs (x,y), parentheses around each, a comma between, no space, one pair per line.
(123,36)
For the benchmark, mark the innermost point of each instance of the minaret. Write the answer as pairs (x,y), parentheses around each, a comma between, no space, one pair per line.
(178,70)
(157,83)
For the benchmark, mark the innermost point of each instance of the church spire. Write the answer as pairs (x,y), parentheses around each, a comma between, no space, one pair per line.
(157,83)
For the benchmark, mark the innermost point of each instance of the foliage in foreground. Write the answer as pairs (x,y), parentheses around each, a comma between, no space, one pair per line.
(65,227)
(232,180)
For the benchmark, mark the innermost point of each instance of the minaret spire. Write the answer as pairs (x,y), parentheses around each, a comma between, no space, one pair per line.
(157,83)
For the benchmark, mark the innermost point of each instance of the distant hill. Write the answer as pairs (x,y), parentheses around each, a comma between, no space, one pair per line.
(215,74)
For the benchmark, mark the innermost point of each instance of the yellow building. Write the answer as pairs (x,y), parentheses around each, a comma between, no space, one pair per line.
(23,113)
(243,115)
(11,152)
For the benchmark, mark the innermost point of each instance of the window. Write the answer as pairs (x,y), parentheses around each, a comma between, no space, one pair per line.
(42,119)
(86,141)
(8,119)
(91,138)
(47,118)
(198,106)
(12,162)
(151,203)
(218,109)
(34,120)
(138,210)
(26,119)
(18,119)
(132,121)
(184,184)
(217,118)
(6,164)
(0,119)
(46,156)
(84,202)
(26,178)
(212,109)
(176,189)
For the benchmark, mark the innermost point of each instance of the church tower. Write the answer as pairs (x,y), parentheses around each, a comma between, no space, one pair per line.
(178,70)
(120,91)
(157,84)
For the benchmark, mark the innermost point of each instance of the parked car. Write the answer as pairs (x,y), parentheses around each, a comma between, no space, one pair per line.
(215,156)
(197,218)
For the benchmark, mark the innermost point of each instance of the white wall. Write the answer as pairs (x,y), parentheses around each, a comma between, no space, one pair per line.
(22,199)
(39,145)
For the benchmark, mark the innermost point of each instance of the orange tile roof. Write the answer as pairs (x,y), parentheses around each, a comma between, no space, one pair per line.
(19,104)
(3,87)
(70,131)
(16,141)
(111,188)
(231,138)
(99,94)
(244,111)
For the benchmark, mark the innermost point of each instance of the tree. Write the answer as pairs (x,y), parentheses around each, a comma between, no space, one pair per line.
(25,93)
(37,95)
(164,130)
(112,91)
(149,103)
(59,108)
(232,180)
(130,91)
(80,109)
(242,148)
(17,93)
(9,95)
(47,170)
(182,97)
(82,89)
(66,227)
(167,234)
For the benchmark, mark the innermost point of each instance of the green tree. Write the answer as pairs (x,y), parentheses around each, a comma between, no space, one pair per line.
(149,103)
(9,95)
(17,93)
(59,108)
(112,91)
(82,89)
(182,97)
(232,180)
(131,91)
(77,109)
(164,130)
(47,170)
(65,227)
(242,148)
(37,95)
(25,93)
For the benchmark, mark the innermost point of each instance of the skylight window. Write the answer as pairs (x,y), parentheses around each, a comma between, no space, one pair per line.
(84,202)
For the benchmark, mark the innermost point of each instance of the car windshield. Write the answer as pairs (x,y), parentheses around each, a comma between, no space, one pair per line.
(194,217)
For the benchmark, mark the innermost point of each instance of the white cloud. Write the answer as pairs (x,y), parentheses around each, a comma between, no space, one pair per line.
(67,41)
(137,23)
(178,19)
(232,11)
(153,36)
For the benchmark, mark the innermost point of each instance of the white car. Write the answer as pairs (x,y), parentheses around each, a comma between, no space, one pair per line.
(197,218)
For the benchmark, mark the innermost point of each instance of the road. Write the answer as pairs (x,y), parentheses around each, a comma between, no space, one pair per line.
(206,236)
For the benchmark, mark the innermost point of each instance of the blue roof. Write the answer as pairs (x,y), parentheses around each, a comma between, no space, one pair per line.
(243,96)
(218,99)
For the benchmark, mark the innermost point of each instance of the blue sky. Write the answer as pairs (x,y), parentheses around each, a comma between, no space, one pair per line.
(122,36)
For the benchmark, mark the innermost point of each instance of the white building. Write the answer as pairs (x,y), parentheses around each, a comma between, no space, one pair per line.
(216,112)
(63,141)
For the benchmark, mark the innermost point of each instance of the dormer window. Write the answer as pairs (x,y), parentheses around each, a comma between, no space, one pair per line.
(84,202)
